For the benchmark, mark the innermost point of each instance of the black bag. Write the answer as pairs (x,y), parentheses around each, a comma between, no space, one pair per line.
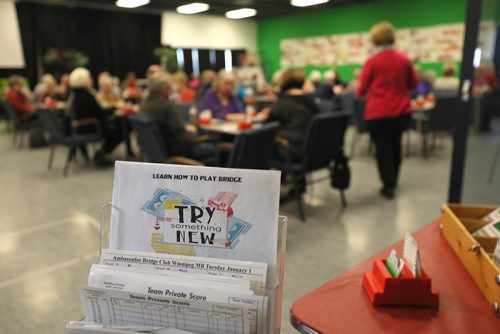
(37,138)
(340,173)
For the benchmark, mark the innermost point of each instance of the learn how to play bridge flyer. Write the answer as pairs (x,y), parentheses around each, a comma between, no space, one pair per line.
(197,211)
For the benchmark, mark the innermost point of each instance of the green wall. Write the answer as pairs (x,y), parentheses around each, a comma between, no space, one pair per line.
(354,18)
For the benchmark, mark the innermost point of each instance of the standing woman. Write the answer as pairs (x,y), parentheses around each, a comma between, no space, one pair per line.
(387,80)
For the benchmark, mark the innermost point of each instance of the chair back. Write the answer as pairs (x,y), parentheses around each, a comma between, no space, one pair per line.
(359,116)
(51,124)
(325,105)
(347,102)
(149,138)
(12,115)
(445,93)
(253,148)
(442,117)
(324,140)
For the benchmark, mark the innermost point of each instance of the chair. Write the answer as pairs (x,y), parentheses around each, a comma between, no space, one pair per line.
(325,105)
(4,116)
(445,93)
(19,126)
(152,144)
(53,126)
(347,102)
(439,119)
(253,148)
(322,144)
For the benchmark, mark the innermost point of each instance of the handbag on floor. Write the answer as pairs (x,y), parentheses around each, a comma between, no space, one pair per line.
(340,173)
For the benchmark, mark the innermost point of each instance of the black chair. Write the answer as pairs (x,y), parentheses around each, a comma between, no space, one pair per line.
(152,144)
(322,144)
(3,115)
(439,119)
(445,93)
(347,102)
(325,105)
(54,127)
(19,125)
(253,148)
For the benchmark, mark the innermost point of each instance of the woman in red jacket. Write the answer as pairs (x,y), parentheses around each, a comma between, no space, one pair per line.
(387,80)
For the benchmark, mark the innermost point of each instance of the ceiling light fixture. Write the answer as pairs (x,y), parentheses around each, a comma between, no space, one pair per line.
(241,13)
(305,3)
(131,3)
(193,8)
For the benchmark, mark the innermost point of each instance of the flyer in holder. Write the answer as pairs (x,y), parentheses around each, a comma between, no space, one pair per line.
(198,211)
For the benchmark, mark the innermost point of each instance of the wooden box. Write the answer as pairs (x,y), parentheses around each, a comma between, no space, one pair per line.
(458,223)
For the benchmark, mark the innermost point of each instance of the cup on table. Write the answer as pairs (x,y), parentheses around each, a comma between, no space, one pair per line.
(128,109)
(205,117)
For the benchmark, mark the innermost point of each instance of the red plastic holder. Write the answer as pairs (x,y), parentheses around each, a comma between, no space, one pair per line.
(244,125)
(384,290)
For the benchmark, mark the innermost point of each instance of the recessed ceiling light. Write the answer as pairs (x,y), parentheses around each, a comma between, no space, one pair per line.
(131,3)
(193,8)
(305,3)
(241,13)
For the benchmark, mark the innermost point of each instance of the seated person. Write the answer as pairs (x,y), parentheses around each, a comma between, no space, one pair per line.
(179,137)
(315,81)
(184,93)
(353,85)
(51,95)
(83,105)
(207,78)
(18,99)
(293,110)
(131,91)
(448,82)
(106,96)
(63,88)
(42,85)
(425,84)
(221,99)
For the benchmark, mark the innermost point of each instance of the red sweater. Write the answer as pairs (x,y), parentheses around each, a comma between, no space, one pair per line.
(387,80)
(19,101)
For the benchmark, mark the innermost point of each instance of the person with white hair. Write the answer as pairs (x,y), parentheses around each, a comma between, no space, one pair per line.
(107,96)
(180,138)
(221,99)
(315,78)
(42,86)
(333,85)
(84,105)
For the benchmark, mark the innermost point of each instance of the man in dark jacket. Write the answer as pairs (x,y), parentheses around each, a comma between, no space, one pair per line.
(180,138)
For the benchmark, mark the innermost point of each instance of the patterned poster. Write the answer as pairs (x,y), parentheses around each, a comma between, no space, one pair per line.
(438,43)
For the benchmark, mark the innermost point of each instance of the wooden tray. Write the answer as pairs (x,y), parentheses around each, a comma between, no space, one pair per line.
(459,222)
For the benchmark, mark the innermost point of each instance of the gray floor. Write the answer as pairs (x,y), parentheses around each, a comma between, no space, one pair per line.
(49,229)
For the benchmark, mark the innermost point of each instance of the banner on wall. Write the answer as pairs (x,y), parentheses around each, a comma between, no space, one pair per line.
(428,44)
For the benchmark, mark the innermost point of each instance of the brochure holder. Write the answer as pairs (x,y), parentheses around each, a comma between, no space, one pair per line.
(274,292)
(384,290)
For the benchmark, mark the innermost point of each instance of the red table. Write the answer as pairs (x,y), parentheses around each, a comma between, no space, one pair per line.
(342,306)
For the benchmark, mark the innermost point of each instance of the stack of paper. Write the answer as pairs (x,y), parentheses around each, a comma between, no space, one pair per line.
(492,229)
(192,248)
